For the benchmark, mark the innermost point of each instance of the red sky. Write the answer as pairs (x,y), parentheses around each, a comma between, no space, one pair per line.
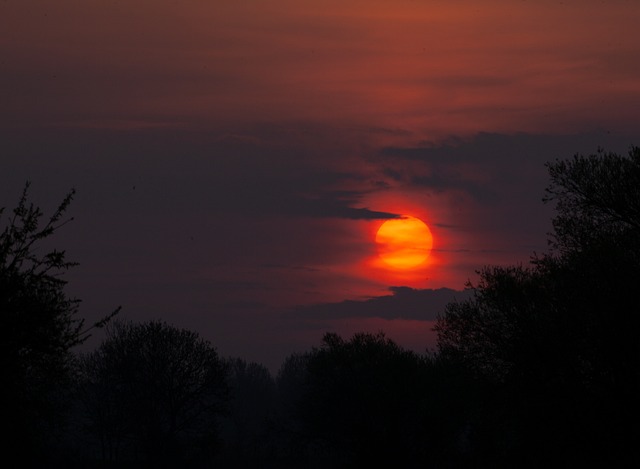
(234,158)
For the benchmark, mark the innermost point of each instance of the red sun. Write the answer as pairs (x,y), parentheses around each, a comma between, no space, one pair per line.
(404,243)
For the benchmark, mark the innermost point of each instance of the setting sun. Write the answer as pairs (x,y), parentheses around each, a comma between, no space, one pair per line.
(404,243)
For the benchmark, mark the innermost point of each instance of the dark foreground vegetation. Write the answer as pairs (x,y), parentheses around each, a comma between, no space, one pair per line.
(539,368)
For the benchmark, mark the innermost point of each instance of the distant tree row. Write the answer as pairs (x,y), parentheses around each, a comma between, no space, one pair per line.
(539,368)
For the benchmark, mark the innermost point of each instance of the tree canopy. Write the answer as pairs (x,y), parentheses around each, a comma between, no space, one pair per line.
(558,338)
(363,401)
(38,320)
(596,198)
(155,392)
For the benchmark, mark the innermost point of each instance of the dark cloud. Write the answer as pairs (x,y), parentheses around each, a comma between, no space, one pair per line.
(403,303)
(454,181)
(493,182)
(495,149)
(167,172)
(331,205)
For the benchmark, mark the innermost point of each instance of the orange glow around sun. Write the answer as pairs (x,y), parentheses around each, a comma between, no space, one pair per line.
(404,243)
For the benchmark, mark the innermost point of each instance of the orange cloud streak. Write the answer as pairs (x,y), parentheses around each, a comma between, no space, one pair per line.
(435,67)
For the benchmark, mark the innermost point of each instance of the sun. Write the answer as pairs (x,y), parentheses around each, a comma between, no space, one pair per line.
(404,243)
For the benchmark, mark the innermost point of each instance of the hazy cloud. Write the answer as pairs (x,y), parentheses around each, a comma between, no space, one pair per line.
(403,303)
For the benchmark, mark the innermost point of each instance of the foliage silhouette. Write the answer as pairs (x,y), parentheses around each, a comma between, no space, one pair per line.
(557,341)
(153,392)
(39,324)
(596,198)
(247,428)
(366,401)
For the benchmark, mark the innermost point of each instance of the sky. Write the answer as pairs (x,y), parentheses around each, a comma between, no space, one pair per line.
(233,160)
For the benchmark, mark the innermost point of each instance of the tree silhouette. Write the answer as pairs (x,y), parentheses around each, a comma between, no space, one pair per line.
(361,402)
(597,233)
(38,323)
(290,381)
(558,340)
(247,428)
(596,198)
(154,392)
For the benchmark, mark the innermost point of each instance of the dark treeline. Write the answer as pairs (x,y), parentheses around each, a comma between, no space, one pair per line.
(540,367)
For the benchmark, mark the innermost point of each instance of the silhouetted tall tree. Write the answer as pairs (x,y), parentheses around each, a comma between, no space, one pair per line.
(38,322)
(596,198)
(154,392)
(558,339)
(597,241)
